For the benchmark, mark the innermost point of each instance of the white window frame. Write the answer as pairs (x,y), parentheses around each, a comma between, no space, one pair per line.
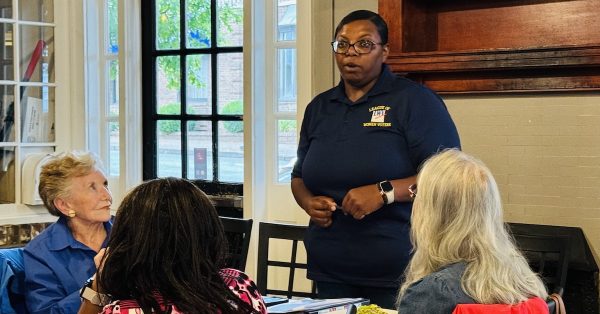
(129,57)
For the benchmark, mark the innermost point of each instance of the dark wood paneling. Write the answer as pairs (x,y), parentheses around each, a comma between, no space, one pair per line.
(496,45)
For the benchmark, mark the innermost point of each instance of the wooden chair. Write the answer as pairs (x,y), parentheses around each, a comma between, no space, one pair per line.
(293,233)
(238,233)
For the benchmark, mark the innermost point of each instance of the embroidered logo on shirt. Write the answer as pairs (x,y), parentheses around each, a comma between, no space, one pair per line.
(378,114)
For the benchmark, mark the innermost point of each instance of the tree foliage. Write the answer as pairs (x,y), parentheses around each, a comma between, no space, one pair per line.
(198,34)
(233,107)
(167,127)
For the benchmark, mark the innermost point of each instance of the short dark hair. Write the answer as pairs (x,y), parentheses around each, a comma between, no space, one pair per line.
(167,238)
(371,16)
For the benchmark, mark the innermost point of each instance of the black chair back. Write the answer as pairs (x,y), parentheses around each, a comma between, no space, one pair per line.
(238,233)
(293,233)
(547,255)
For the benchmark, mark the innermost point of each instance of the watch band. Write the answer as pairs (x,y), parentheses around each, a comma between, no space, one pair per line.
(386,189)
(94,297)
(383,195)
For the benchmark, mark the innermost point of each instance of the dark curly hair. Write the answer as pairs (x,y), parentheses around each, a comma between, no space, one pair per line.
(167,239)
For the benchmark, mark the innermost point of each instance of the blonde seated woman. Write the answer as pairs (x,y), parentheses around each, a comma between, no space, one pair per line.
(464,259)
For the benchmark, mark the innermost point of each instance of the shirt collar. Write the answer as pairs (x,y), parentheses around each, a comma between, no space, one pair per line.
(61,236)
(383,85)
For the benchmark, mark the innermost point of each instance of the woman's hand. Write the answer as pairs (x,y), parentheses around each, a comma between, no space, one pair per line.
(98,258)
(320,210)
(361,201)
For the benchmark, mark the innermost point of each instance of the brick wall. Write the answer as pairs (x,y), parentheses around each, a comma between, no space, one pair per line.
(544,152)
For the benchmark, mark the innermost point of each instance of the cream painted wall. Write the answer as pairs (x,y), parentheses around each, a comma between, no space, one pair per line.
(544,152)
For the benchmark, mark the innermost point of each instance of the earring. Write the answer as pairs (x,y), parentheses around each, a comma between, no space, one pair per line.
(71,213)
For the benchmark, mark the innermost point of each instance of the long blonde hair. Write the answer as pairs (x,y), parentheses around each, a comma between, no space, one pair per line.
(457,217)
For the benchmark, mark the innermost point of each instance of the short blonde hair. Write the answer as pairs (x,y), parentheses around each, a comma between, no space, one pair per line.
(56,175)
(457,217)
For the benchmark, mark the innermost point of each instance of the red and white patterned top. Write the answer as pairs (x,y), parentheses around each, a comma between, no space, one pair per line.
(238,282)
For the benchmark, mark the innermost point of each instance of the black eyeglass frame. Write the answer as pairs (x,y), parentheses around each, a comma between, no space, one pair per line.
(371,45)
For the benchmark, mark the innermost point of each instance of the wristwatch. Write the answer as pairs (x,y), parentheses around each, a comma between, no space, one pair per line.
(96,298)
(386,189)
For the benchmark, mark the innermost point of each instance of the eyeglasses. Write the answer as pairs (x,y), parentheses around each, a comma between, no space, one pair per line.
(412,191)
(362,46)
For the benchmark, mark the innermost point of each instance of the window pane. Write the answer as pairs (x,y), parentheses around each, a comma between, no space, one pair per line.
(112,89)
(231,151)
(199,141)
(197,22)
(286,20)
(7,115)
(229,23)
(198,84)
(36,10)
(112,26)
(230,85)
(37,114)
(168,83)
(6,11)
(167,24)
(37,53)
(169,149)
(113,148)
(6,51)
(286,80)
(286,149)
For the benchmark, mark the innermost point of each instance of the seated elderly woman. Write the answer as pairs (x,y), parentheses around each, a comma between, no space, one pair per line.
(59,260)
(165,255)
(464,259)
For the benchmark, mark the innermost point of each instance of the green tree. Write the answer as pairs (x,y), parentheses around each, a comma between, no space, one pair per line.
(170,126)
(233,107)
(287,125)
(197,34)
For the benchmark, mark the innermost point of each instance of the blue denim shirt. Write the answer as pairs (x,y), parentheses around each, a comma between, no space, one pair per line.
(56,267)
(437,293)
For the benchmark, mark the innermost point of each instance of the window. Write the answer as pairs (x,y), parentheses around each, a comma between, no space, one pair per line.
(284,112)
(111,85)
(102,82)
(193,89)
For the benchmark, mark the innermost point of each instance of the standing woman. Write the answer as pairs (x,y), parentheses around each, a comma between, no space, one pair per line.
(361,144)
(59,260)
(464,256)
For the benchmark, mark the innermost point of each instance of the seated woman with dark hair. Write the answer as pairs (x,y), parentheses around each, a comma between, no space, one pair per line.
(165,255)
(464,259)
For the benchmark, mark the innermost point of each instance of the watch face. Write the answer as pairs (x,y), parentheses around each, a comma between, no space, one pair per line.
(386,186)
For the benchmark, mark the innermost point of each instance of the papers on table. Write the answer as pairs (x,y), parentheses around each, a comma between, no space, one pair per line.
(311,306)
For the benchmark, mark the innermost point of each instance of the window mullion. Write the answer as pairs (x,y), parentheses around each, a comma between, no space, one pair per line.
(214,88)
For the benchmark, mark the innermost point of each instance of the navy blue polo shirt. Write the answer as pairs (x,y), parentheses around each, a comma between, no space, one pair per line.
(385,135)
